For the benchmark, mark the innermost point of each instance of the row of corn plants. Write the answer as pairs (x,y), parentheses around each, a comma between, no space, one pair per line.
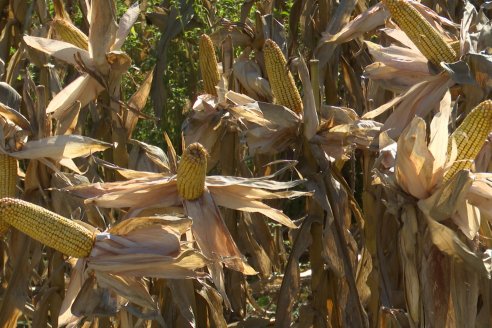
(332,169)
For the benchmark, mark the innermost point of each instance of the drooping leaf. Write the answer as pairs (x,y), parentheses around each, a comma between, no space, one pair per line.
(59,49)
(59,147)
(125,24)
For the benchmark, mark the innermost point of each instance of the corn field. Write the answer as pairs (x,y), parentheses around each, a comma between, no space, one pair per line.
(299,163)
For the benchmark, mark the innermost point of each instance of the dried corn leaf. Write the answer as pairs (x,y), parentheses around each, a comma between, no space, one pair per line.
(481,68)
(436,274)
(251,79)
(480,194)
(467,218)
(409,256)
(95,301)
(206,124)
(59,49)
(445,201)
(159,193)
(465,295)
(414,161)
(403,59)
(102,32)
(14,116)
(214,301)
(125,24)
(310,114)
(225,199)
(291,283)
(181,224)
(340,140)
(151,265)
(137,102)
(417,101)
(212,235)
(183,296)
(449,243)
(148,158)
(270,128)
(68,121)
(365,22)
(83,89)
(131,288)
(60,147)
(66,317)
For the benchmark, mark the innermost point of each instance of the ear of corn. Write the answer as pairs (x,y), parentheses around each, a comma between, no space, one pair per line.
(49,228)
(8,182)
(191,172)
(281,81)
(8,176)
(470,137)
(427,39)
(456,46)
(68,32)
(208,65)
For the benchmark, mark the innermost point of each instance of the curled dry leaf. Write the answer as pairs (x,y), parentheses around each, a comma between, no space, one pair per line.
(137,102)
(448,242)
(131,288)
(68,121)
(396,68)
(125,24)
(408,250)
(14,116)
(310,114)
(102,33)
(365,22)
(401,58)
(83,89)
(419,100)
(480,194)
(414,161)
(269,127)
(61,147)
(207,124)
(212,235)
(340,140)
(445,201)
(251,79)
(59,49)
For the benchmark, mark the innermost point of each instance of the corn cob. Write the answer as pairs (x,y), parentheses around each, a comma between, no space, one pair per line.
(281,81)
(208,65)
(427,39)
(191,172)
(49,228)
(470,137)
(8,182)
(68,32)
(456,46)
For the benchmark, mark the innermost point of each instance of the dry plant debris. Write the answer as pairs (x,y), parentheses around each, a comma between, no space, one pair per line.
(301,164)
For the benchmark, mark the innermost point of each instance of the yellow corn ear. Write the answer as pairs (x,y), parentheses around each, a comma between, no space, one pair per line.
(208,65)
(49,228)
(470,137)
(456,46)
(68,32)
(8,183)
(427,39)
(281,80)
(191,172)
